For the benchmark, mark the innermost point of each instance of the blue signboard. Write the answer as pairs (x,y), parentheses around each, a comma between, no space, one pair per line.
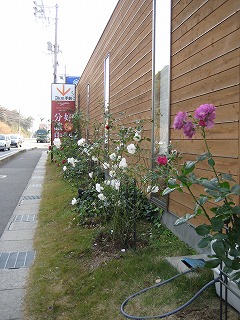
(72,80)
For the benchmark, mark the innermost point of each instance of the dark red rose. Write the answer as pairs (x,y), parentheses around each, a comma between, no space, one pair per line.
(162,160)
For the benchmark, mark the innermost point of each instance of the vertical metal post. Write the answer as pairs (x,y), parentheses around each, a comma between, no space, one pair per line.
(19,122)
(55,48)
(55,64)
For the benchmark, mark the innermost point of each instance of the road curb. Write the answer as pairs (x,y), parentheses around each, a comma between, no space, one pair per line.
(8,158)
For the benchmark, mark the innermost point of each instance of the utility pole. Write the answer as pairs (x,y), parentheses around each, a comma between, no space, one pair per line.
(56,49)
(39,12)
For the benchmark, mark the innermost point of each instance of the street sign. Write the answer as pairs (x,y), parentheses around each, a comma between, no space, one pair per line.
(63,92)
(63,106)
(72,80)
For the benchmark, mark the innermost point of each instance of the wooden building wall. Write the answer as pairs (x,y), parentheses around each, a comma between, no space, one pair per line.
(127,38)
(205,69)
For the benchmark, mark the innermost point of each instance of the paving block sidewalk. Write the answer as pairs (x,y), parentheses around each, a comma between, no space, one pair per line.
(16,246)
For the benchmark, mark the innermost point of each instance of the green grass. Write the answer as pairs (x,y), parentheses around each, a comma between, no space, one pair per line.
(67,281)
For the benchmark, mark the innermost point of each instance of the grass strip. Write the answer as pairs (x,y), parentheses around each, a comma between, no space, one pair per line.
(70,281)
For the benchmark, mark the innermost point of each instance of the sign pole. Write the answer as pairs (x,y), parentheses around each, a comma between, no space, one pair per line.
(54,67)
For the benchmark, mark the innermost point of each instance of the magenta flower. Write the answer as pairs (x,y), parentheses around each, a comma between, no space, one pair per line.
(189,129)
(162,160)
(179,120)
(205,114)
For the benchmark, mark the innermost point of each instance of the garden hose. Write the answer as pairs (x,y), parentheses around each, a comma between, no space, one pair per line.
(161,284)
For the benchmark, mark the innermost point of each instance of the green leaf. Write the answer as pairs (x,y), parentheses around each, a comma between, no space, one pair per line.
(219,236)
(236,189)
(172,183)
(225,185)
(226,176)
(236,209)
(203,156)
(193,178)
(184,219)
(219,248)
(211,162)
(218,199)
(202,200)
(203,230)
(197,210)
(213,263)
(204,242)
(212,185)
(189,167)
(213,193)
(217,224)
(167,191)
(234,253)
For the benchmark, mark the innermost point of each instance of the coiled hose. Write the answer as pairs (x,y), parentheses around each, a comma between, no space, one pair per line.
(159,285)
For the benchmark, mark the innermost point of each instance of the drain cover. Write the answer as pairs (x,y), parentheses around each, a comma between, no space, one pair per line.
(25,218)
(34,185)
(16,260)
(30,197)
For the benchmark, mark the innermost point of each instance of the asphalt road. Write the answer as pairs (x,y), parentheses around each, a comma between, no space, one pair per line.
(14,177)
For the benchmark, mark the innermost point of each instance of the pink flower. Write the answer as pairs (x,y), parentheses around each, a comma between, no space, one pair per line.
(179,120)
(162,160)
(189,129)
(206,114)
(202,123)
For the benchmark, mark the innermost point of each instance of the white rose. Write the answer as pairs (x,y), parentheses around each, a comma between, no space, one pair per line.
(98,187)
(95,159)
(57,142)
(117,184)
(123,163)
(101,196)
(112,173)
(64,168)
(131,148)
(112,156)
(90,174)
(137,137)
(81,142)
(74,201)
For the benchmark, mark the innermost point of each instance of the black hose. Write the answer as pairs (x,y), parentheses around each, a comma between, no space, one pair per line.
(161,284)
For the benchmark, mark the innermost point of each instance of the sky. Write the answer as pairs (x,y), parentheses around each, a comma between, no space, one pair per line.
(26,64)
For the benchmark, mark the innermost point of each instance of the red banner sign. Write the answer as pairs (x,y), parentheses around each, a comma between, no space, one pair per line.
(63,106)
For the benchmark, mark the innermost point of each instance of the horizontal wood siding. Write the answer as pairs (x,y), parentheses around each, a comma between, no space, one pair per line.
(128,39)
(205,69)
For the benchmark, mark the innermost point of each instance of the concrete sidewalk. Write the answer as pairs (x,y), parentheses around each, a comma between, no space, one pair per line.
(16,246)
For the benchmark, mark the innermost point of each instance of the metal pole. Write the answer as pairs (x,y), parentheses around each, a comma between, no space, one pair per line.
(19,129)
(55,48)
(55,63)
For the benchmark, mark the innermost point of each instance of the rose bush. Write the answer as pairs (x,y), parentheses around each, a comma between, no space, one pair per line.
(220,191)
(109,171)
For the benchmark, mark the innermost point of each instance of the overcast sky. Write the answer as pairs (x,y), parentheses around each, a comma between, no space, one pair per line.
(26,65)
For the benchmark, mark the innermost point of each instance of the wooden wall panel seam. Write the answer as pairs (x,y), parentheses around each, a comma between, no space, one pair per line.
(130,52)
(127,84)
(204,63)
(190,15)
(137,96)
(204,33)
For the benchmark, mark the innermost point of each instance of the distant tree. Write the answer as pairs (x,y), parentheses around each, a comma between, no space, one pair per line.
(26,123)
